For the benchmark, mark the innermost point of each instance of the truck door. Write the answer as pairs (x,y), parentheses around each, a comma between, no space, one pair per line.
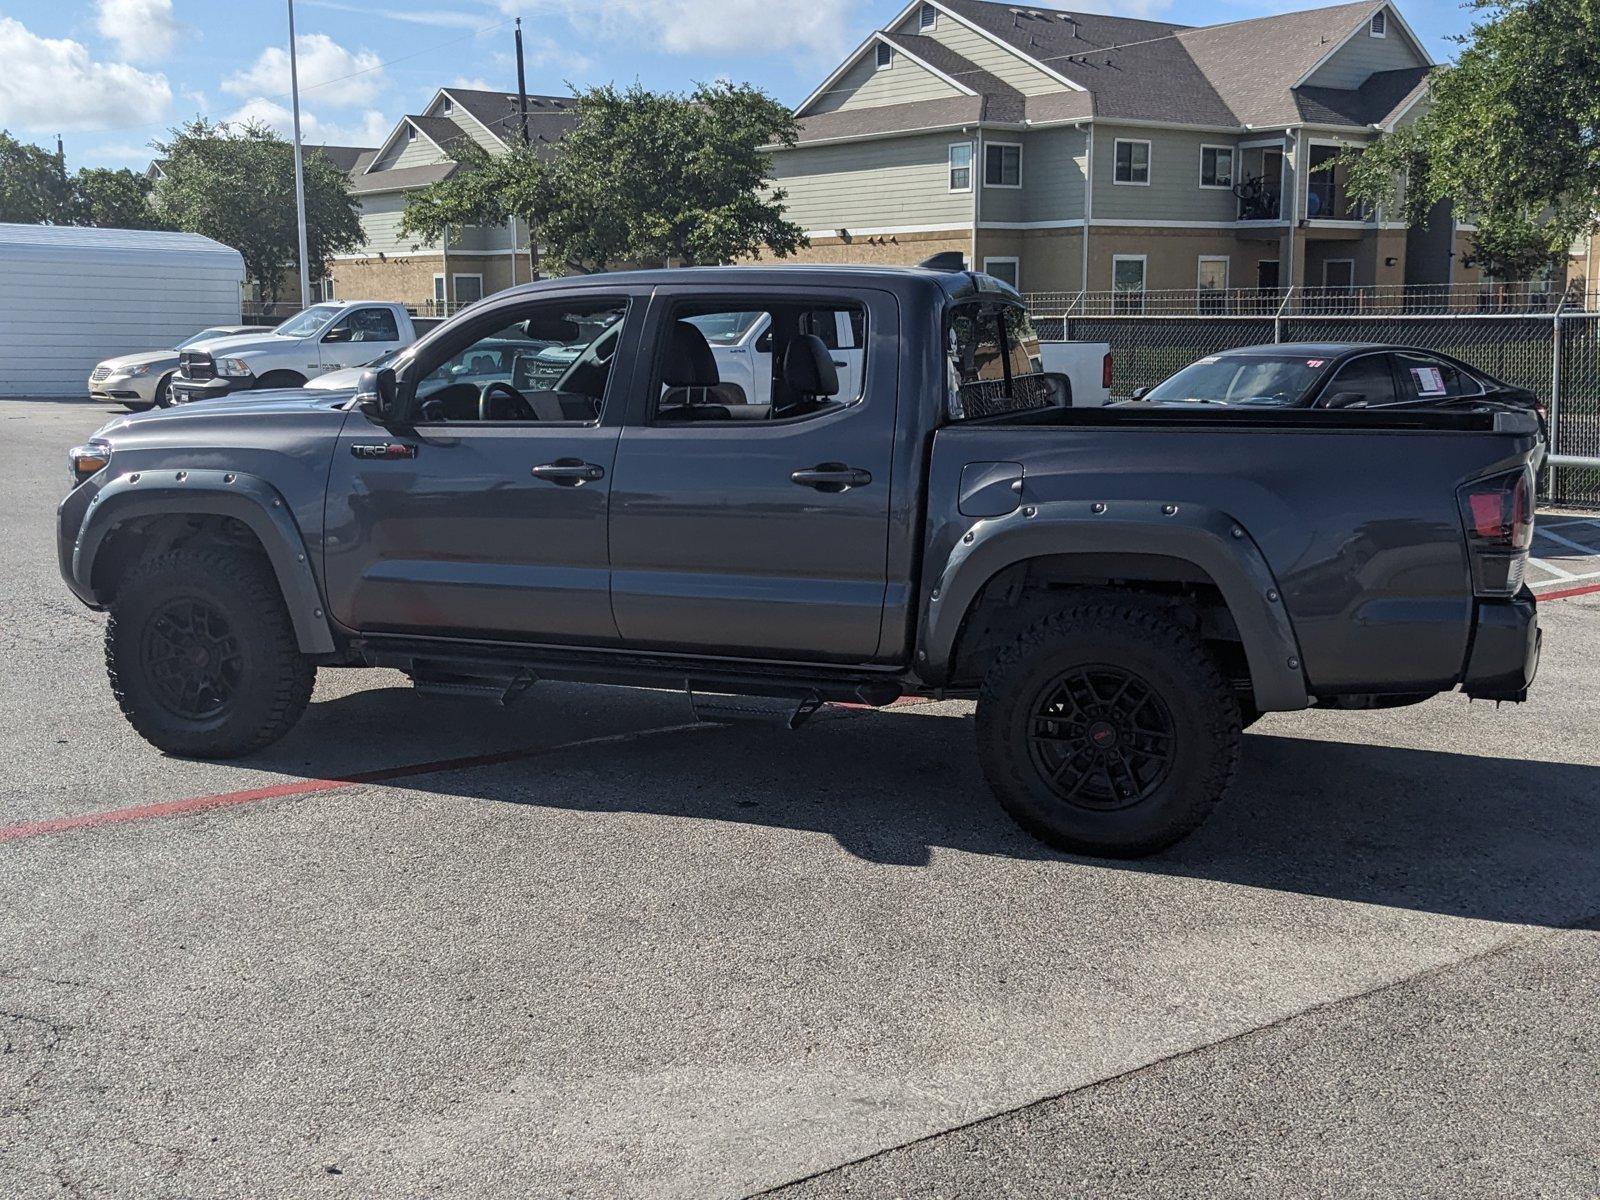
(759,530)
(485,516)
(358,337)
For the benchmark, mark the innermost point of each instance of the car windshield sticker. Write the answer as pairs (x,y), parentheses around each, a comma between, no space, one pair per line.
(1211,359)
(1429,381)
(1315,362)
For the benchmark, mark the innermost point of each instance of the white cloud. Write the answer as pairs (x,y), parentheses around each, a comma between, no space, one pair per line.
(338,76)
(813,29)
(143,30)
(476,83)
(370,130)
(441,18)
(53,84)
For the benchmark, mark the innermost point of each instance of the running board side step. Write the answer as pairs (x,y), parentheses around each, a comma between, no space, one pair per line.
(719,708)
(503,691)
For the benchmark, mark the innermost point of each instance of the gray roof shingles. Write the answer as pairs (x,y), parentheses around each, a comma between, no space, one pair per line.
(1238,74)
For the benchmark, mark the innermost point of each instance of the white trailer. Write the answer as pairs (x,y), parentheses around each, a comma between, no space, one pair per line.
(70,297)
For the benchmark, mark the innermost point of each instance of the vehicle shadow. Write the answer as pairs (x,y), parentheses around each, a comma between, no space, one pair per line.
(1491,838)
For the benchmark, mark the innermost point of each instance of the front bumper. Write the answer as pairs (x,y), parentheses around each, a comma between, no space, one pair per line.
(1505,649)
(120,389)
(186,391)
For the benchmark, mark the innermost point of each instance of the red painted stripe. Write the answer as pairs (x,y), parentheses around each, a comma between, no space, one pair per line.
(1569,592)
(304,787)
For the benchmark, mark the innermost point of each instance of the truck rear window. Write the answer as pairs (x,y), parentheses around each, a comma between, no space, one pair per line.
(994,362)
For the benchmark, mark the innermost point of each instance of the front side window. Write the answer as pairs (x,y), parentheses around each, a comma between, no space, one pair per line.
(759,360)
(551,364)
(1132,162)
(366,325)
(994,362)
(1002,165)
(961,167)
(1216,166)
(309,322)
(1246,379)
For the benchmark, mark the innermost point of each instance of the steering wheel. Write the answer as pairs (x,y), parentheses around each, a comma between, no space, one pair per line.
(523,411)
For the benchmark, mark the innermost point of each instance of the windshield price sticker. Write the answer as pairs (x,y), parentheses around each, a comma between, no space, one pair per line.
(1429,381)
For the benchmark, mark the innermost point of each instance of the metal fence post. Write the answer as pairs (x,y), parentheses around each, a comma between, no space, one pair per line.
(1557,345)
(1277,317)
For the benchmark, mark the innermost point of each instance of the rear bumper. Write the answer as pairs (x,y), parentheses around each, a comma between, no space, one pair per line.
(1505,649)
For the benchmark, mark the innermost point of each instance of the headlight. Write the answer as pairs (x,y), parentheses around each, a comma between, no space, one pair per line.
(88,459)
(140,370)
(232,367)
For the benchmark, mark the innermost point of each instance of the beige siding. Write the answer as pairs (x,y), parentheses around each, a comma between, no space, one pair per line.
(1053,170)
(418,152)
(890,183)
(1174,192)
(998,60)
(1362,55)
(864,86)
(461,117)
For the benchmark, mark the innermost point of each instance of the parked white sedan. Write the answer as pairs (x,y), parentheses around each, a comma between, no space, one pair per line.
(144,380)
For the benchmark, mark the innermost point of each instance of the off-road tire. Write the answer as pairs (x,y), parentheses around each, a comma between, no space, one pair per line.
(1104,639)
(271,679)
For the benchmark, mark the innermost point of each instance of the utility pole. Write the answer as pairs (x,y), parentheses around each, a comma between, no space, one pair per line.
(299,167)
(522,122)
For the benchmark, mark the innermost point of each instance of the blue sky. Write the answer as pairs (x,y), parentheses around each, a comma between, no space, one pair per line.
(109,75)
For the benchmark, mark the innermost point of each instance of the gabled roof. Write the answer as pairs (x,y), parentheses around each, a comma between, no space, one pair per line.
(345,158)
(548,116)
(399,178)
(1002,102)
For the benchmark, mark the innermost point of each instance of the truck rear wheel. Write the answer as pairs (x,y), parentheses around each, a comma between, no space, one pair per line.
(1107,729)
(202,655)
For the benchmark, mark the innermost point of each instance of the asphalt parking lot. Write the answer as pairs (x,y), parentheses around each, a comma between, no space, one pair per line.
(583,947)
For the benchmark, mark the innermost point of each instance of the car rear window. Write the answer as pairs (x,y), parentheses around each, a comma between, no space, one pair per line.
(1241,379)
(994,362)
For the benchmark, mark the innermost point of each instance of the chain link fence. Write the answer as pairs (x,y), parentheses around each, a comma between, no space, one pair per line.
(1556,355)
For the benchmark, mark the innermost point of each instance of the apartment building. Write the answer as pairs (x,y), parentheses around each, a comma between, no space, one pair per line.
(1068,151)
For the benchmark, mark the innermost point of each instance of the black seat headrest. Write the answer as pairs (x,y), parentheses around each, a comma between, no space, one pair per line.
(808,367)
(690,362)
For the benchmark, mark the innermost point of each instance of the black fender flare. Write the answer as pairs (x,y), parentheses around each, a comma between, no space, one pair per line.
(246,498)
(1205,537)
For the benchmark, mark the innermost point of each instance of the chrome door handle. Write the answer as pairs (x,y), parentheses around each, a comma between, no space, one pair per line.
(569,472)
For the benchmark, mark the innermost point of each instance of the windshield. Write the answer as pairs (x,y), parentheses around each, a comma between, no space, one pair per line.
(1241,379)
(309,322)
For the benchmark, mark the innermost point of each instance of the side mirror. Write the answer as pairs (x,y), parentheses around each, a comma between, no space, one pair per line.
(1345,400)
(378,393)
(339,333)
(1139,393)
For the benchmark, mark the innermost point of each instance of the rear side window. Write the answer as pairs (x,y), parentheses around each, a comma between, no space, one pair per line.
(1367,377)
(1423,377)
(994,363)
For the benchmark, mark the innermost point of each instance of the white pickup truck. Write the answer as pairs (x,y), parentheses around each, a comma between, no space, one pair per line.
(1086,364)
(323,338)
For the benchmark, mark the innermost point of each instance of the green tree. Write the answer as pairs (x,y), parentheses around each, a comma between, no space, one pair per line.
(113,199)
(1511,136)
(236,184)
(34,189)
(641,177)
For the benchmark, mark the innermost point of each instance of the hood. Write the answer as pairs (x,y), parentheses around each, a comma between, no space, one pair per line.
(240,343)
(346,380)
(151,358)
(225,412)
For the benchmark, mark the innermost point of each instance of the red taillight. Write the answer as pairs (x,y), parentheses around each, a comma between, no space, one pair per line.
(1498,516)
(1105,371)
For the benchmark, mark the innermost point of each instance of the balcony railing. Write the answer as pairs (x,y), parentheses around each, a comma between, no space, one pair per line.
(1414,299)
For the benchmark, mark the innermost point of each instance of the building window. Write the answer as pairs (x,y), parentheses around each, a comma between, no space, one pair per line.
(438,289)
(448,106)
(1002,165)
(411,133)
(927,17)
(1216,166)
(885,55)
(1127,282)
(1211,283)
(469,288)
(961,166)
(1132,162)
(1379,25)
(1007,270)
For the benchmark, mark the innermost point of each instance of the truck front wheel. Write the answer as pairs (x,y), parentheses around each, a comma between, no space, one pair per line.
(1107,729)
(202,655)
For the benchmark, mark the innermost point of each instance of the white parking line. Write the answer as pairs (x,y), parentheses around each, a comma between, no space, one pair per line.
(1589,551)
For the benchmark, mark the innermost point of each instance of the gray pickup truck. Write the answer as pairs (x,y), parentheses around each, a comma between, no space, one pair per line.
(1122,590)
